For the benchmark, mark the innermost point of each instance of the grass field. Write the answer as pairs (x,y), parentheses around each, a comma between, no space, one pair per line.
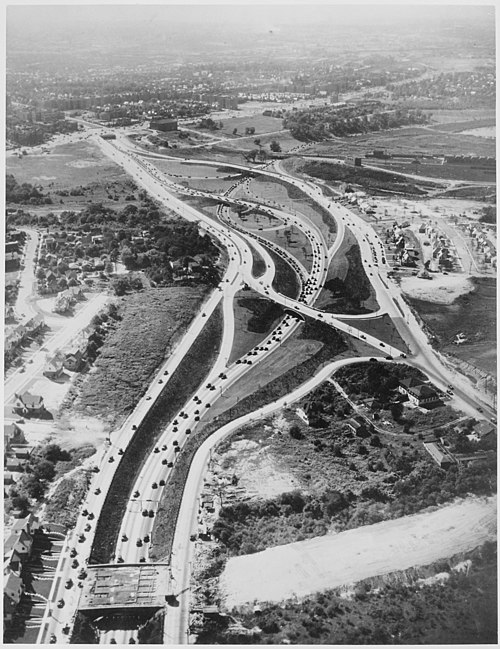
(408,141)
(261,123)
(443,117)
(152,323)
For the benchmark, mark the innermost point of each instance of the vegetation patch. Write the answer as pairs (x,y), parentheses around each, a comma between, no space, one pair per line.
(285,280)
(152,322)
(63,505)
(370,179)
(184,381)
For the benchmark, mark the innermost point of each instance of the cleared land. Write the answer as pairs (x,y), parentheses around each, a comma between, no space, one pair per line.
(300,569)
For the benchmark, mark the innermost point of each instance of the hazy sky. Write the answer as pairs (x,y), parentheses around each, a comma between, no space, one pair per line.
(250,15)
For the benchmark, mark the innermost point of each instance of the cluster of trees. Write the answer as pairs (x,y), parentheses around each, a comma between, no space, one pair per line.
(24,194)
(249,527)
(136,235)
(489,214)
(210,124)
(370,179)
(39,471)
(27,134)
(317,124)
(374,379)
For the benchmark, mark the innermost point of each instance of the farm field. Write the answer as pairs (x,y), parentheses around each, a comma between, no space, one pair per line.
(261,123)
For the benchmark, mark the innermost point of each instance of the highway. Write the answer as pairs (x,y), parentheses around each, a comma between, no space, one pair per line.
(135,533)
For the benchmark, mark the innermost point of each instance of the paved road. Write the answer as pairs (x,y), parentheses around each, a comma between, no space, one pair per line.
(135,526)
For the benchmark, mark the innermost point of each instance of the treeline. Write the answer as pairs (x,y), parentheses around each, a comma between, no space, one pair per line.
(315,125)
(24,194)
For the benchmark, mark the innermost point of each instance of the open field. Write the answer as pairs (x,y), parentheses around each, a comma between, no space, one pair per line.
(261,123)
(300,569)
(452,601)
(473,314)
(408,141)
(444,116)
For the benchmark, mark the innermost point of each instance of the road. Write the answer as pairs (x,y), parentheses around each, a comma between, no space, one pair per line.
(135,533)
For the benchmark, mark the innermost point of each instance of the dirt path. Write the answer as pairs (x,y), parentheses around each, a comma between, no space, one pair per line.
(299,569)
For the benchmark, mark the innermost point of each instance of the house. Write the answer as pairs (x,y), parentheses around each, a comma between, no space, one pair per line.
(9,312)
(53,369)
(418,393)
(13,464)
(21,542)
(21,452)
(8,478)
(439,454)
(74,361)
(28,404)
(13,589)
(483,430)
(30,524)
(12,435)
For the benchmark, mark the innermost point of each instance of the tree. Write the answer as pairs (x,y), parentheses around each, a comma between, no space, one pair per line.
(397,410)
(235,130)
(44,470)
(54,453)
(275,146)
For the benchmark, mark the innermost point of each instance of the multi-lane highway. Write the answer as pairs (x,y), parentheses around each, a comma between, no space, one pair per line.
(136,529)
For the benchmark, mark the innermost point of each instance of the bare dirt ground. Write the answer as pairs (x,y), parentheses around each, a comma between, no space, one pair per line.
(444,289)
(300,569)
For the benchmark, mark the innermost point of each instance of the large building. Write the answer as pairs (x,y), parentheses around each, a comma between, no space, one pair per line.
(164,124)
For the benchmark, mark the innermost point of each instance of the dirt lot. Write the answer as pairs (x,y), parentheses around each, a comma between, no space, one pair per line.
(299,569)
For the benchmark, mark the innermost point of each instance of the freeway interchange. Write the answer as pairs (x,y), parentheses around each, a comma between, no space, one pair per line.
(134,537)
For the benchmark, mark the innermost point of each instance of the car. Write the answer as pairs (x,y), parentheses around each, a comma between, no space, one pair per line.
(75,563)
(161,483)
(151,513)
(82,574)
(134,427)
(193,537)
(160,381)
(97,491)
(144,512)
(120,560)
(139,543)
(73,552)
(88,527)
(157,450)
(382,344)
(164,447)
(95,469)
(148,398)
(164,461)
(389,358)
(60,603)
(154,485)
(165,372)
(120,451)
(146,538)
(111,459)
(136,493)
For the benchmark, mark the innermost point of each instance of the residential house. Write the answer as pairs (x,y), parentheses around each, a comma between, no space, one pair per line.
(13,464)
(30,524)
(8,479)
(12,435)
(21,452)
(21,542)
(13,589)
(30,405)
(483,430)
(54,368)
(74,360)
(300,413)
(418,393)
